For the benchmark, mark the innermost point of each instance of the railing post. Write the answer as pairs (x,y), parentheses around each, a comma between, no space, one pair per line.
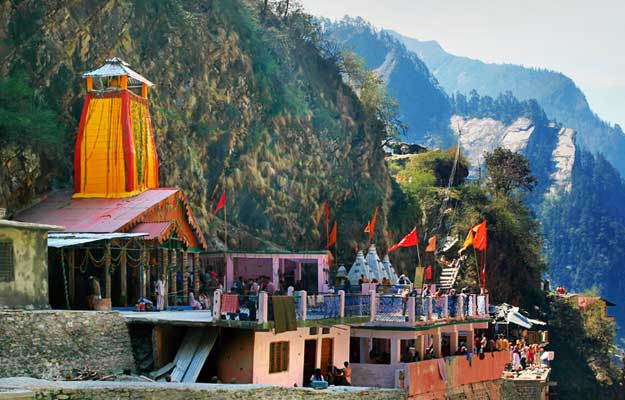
(217,304)
(373,306)
(263,307)
(446,306)
(410,309)
(460,306)
(428,300)
(303,304)
(474,303)
(486,303)
(341,303)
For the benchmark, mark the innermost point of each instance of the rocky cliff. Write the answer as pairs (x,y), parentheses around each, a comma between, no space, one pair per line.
(243,101)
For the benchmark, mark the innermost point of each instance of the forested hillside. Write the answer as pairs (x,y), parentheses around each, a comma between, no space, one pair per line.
(554,91)
(246,99)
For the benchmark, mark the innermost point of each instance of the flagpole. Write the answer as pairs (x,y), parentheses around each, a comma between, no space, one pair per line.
(419,258)
(225,217)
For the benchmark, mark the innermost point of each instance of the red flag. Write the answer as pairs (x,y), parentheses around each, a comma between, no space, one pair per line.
(332,236)
(356,247)
(371,225)
(222,202)
(479,240)
(409,240)
(428,273)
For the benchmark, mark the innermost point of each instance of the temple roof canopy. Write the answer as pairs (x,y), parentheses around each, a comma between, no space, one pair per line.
(117,67)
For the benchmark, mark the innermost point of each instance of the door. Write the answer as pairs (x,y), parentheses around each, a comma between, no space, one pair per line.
(327,353)
(310,358)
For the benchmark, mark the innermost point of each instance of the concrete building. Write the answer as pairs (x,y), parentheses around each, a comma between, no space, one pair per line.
(24,264)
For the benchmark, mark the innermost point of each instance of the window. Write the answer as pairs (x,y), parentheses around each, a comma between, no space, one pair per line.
(7,273)
(313,330)
(325,331)
(278,357)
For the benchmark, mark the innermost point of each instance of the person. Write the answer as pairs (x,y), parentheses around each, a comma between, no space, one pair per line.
(347,374)
(331,375)
(239,285)
(194,303)
(203,300)
(316,376)
(254,287)
(483,343)
(516,359)
(346,286)
(361,281)
(531,351)
(160,293)
(477,343)
(402,279)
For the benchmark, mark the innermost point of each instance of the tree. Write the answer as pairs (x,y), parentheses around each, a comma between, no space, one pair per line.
(507,171)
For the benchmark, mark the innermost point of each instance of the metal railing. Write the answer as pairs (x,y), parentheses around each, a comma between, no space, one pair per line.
(391,308)
(357,305)
(323,306)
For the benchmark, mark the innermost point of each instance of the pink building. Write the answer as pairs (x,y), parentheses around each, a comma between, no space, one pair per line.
(311,268)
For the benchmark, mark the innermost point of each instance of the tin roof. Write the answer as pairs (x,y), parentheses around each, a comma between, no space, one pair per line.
(154,230)
(68,239)
(103,215)
(117,67)
(29,225)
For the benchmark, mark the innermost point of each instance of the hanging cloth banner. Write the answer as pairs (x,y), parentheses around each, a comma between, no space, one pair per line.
(418,274)
(428,273)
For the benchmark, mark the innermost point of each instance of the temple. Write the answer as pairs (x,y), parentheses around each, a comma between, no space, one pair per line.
(121,228)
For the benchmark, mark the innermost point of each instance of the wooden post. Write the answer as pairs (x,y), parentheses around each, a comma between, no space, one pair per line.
(72,275)
(123,277)
(144,90)
(107,270)
(185,278)
(173,284)
(165,262)
(196,273)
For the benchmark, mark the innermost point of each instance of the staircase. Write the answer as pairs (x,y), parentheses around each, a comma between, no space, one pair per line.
(449,274)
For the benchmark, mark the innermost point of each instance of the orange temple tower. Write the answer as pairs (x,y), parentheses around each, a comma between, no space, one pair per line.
(115,154)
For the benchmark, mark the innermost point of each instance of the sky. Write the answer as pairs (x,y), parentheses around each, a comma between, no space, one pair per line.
(583,39)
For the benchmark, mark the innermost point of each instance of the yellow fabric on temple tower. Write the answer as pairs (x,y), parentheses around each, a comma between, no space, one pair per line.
(103,172)
(145,154)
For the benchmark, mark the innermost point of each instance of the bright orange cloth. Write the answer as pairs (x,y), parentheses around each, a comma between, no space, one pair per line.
(431,245)
(332,236)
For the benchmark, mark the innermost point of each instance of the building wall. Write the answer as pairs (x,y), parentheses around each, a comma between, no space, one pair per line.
(30,260)
(236,355)
(380,375)
(295,373)
(50,344)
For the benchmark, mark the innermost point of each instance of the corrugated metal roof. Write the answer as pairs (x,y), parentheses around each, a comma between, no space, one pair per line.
(117,67)
(66,239)
(29,225)
(93,215)
(154,230)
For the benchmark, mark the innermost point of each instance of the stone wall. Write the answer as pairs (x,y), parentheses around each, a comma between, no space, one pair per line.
(44,390)
(50,344)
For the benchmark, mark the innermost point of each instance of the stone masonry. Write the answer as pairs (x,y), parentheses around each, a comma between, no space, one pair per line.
(52,344)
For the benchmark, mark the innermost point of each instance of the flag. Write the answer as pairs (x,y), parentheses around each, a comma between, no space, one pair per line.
(431,245)
(356,247)
(409,240)
(476,237)
(479,240)
(222,202)
(332,236)
(371,225)
(428,273)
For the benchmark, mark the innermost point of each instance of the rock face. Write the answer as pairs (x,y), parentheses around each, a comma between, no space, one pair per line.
(554,166)
(51,344)
(564,157)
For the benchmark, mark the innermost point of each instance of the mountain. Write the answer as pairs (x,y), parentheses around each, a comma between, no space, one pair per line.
(243,100)
(423,105)
(561,99)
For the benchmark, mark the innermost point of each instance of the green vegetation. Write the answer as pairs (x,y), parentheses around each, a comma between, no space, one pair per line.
(507,171)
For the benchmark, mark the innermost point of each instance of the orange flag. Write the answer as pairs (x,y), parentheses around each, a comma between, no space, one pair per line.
(431,245)
(332,236)
(371,225)
(479,240)
(222,202)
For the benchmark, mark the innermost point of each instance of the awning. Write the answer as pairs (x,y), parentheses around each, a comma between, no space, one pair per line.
(68,239)
(537,322)
(517,318)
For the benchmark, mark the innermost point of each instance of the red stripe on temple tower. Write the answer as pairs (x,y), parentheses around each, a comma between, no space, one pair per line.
(78,161)
(129,146)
